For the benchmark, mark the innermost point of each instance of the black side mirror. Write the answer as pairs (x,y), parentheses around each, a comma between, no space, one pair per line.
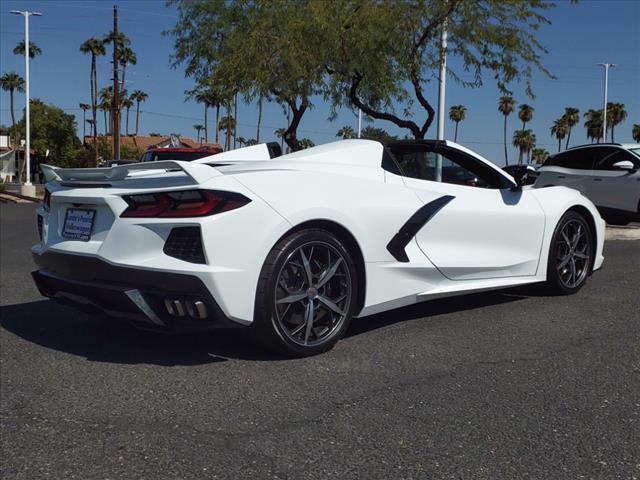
(523,175)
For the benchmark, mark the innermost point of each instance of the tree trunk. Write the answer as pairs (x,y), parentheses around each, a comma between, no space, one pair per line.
(259,119)
(137,115)
(520,157)
(612,127)
(206,129)
(84,124)
(455,135)
(290,135)
(94,106)
(227,141)
(106,125)
(235,120)
(506,157)
(568,137)
(217,123)
(559,144)
(126,123)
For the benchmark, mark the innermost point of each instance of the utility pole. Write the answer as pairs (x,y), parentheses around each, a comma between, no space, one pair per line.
(606,66)
(442,81)
(359,122)
(29,190)
(115,105)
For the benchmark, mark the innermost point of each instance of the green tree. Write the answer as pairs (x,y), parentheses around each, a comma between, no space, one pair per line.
(131,152)
(379,134)
(525,114)
(593,124)
(12,82)
(457,114)
(506,105)
(635,132)
(106,100)
(84,107)
(94,47)
(572,117)
(138,96)
(616,114)
(524,141)
(127,103)
(346,132)
(539,155)
(305,143)
(228,124)
(126,57)
(198,128)
(560,130)
(34,50)
(209,96)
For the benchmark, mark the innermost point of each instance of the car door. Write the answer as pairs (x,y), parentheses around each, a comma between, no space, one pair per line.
(571,168)
(615,188)
(480,229)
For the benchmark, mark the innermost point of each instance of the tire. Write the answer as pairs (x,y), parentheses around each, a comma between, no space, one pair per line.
(289,294)
(570,255)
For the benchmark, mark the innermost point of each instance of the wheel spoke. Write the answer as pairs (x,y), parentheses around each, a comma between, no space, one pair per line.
(566,239)
(294,297)
(307,266)
(581,255)
(576,237)
(308,318)
(564,262)
(573,271)
(328,303)
(329,273)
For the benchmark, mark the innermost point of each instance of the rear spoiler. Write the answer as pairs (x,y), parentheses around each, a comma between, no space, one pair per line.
(197,173)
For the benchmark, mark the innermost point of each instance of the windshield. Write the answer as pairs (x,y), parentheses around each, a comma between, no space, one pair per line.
(635,151)
(184,156)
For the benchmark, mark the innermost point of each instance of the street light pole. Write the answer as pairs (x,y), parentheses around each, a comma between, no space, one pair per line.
(359,122)
(442,82)
(606,66)
(27,150)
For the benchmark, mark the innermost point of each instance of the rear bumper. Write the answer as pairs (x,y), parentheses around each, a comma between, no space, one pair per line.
(137,295)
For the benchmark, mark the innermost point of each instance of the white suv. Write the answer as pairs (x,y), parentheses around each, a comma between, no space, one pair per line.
(608,174)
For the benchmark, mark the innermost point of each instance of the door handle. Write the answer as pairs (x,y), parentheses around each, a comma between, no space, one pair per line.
(597,179)
(560,176)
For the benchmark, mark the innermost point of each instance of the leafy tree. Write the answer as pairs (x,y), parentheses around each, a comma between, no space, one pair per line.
(593,124)
(524,140)
(305,143)
(457,114)
(346,132)
(131,152)
(94,47)
(126,57)
(155,134)
(374,66)
(251,141)
(525,114)
(506,106)
(379,134)
(84,107)
(209,96)
(635,132)
(228,124)
(138,96)
(127,103)
(106,100)
(34,50)
(572,117)
(539,155)
(12,82)
(616,114)
(560,130)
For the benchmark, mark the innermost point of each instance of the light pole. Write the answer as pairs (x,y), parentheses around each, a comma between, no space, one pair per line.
(442,82)
(359,122)
(27,150)
(606,66)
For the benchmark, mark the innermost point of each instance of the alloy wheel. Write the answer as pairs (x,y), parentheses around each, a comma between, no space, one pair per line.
(573,253)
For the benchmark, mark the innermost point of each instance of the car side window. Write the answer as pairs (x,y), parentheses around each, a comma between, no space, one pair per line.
(618,155)
(457,167)
(580,159)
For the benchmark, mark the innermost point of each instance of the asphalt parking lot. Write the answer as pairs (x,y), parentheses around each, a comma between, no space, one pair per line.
(501,385)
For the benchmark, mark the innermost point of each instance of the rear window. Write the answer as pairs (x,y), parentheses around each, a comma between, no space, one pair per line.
(184,156)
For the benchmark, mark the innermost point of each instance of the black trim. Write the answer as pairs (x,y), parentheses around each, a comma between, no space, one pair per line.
(400,240)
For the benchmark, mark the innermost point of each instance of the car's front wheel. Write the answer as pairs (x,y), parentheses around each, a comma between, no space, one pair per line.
(306,294)
(570,254)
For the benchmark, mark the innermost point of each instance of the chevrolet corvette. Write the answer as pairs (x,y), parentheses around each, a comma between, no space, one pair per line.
(291,248)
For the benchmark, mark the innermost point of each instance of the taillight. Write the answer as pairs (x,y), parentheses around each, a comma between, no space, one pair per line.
(46,200)
(182,203)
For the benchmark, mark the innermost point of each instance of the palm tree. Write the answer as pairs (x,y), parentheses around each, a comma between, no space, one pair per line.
(34,50)
(525,114)
(259,118)
(104,107)
(635,132)
(127,57)
(138,96)
(106,98)
(228,124)
(84,107)
(127,103)
(560,129)
(280,134)
(593,124)
(346,132)
(198,128)
(457,113)
(208,97)
(572,117)
(95,47)
(12,82)
(506,106)
(539,155)
(524,141)
(616,114)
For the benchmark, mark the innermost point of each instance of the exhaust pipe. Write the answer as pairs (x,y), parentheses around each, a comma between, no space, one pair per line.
(179,308)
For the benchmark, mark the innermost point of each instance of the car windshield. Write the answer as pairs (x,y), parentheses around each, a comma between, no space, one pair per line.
(185,156)
(635,151)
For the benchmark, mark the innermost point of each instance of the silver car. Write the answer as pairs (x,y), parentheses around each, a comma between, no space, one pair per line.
(608,174)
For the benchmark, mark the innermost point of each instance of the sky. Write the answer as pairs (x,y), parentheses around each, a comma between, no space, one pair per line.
(580,36)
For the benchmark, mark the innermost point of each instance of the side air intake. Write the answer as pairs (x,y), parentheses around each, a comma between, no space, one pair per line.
(185,243)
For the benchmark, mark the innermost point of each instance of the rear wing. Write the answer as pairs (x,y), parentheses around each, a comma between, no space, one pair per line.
(197,173)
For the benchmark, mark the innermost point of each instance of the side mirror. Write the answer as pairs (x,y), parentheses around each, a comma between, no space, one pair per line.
(624,165)
(523,175)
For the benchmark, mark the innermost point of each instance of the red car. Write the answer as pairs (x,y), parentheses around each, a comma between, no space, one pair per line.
(185,154)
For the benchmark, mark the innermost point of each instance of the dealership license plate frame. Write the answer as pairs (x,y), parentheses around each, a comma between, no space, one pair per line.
(82,234)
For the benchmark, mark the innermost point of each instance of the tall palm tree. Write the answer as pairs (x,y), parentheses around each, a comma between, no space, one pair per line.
(198,128)
(506,105)
(106,98)
(104,107)
(539,155)
(525,114)
(34,50)
(593,124)
(346,132)
(572,118)
(12,82)
(127,57)
(94,47)
(127,103)
(524,141)
(457,113)
(228,124)
(635,132)
(138,96)
(616,114)
(84,107)
(560,129)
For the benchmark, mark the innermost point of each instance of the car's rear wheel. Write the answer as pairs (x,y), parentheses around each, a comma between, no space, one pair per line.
(306,294)
(570,254)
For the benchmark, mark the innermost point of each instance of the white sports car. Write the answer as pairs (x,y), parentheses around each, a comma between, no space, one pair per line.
(293,247)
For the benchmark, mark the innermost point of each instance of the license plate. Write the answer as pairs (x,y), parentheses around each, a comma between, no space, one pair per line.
(78,224)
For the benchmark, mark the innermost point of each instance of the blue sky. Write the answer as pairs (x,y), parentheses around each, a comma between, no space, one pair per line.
(579,37)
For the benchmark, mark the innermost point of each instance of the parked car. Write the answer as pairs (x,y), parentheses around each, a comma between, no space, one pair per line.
(183,154)
(293,247)
(608,174)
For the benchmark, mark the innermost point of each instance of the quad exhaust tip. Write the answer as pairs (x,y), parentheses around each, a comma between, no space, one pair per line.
(181,308)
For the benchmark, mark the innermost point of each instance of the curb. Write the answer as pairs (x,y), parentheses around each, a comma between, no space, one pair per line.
(22,197)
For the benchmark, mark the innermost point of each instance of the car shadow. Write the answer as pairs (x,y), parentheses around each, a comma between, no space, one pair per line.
(58,327)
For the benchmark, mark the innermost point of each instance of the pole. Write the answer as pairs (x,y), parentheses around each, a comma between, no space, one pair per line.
(604,108)
(442,81)
(27,151)
(359,122)
(115,106)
